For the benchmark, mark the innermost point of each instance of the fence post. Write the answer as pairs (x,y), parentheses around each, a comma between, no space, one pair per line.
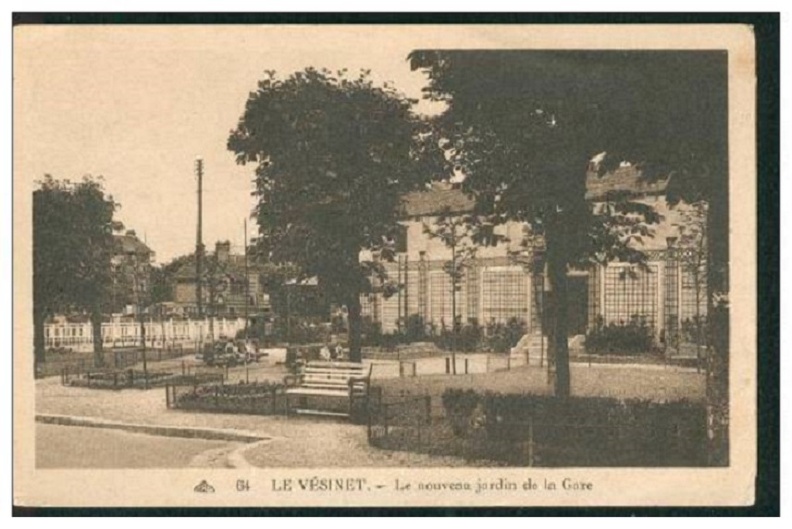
(428,407)
(167,396)
(368,419)
(217,395)
(466,366)
(530,442)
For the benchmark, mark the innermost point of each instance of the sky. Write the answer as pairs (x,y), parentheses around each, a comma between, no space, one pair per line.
(137,105)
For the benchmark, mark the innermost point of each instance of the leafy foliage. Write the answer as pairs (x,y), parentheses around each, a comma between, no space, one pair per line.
(72,251)
(598,431)
(501,337)
(334,154)
(620,338)
(524,128)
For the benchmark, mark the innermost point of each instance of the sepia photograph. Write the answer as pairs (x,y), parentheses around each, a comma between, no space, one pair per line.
(381,265)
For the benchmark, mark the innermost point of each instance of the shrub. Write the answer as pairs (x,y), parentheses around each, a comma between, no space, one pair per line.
(694,330)
(633,337)
(599,431)
(371,332)
(414,329)
(502,337)
(459,405)
(467,338)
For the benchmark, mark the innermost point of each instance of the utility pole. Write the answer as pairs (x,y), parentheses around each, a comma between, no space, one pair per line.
(199,238)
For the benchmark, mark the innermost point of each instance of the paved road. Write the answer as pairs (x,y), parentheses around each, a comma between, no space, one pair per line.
(78,447)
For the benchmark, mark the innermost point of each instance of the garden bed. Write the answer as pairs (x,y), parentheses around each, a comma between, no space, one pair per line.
(258,398)
(135,379)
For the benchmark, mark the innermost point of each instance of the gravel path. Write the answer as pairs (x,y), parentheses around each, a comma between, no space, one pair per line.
(296,442)
(317,442)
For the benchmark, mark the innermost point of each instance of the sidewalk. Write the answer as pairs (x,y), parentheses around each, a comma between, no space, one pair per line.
(294,442)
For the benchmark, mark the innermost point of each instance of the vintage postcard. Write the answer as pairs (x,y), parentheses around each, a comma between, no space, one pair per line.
(384,265)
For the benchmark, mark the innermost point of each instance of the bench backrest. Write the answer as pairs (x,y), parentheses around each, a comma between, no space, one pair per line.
(333,374)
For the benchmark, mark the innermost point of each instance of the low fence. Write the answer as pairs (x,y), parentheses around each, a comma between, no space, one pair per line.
(253,398)
(446,364)
(77,363)
(78,337)
(117,379)
(399,423)
(544,433)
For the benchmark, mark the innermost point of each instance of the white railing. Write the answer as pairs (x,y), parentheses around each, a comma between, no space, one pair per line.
(159,334)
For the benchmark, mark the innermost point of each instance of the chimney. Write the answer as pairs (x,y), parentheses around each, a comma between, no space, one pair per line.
(131,233)
(222,251)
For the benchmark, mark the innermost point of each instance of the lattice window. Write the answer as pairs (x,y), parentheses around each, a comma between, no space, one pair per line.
(440,302)
(504,295)
(594,309)
(472,292)
(672,301)
(688,297)
(631,291)
(390,313)
(366,306)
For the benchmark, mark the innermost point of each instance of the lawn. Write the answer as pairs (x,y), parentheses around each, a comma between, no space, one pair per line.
(596,381)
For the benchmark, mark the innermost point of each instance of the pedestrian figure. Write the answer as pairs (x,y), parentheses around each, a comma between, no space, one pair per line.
(324,353)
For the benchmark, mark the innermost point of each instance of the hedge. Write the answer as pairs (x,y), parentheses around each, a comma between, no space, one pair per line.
(579,431)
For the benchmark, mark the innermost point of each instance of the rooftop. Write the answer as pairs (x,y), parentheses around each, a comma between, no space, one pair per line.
(626,179)
(128,243)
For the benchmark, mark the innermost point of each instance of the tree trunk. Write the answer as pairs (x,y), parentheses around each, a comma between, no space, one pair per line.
(39,346)
(559,344)
(354,321)
(718,388)
(454,280)
(96,329)
(718,331)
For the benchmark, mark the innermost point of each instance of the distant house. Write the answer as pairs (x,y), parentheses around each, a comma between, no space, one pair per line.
(228,290)
(131,273)
(498,287)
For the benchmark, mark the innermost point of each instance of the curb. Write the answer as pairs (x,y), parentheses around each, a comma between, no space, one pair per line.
(208,434)
(237,459)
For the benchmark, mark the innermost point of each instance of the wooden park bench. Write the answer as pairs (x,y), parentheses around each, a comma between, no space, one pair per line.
(346,382)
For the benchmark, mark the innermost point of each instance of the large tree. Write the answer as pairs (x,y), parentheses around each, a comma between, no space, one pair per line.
(72,251)
(334,154)
(524,126)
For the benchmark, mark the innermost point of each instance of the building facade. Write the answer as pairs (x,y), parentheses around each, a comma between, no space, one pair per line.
(229,289)
(131,273)
(507,280)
